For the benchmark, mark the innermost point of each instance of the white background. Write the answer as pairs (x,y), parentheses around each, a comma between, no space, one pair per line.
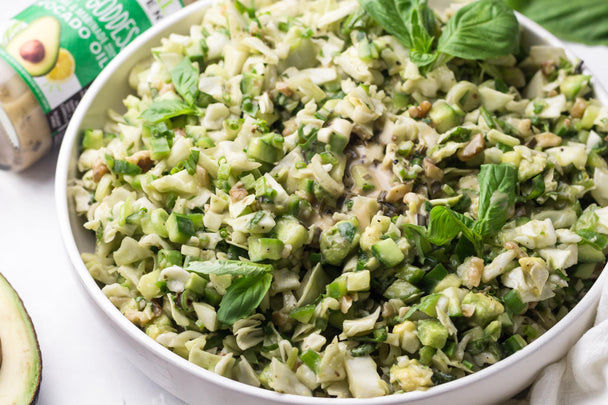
(80,363)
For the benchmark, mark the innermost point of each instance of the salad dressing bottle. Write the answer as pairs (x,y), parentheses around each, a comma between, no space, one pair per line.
(49,55)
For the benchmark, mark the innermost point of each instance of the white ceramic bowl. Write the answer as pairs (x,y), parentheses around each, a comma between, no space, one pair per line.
(196,385)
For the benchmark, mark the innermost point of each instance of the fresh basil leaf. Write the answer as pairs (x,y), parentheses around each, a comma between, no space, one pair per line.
(185,79)
(232,267)
(243,297)
(417,234)
(481,30)
(393,16)
(445,224)
(421,52)
(423,60)
(497,185)
(578,21)
(442,226)
(421,39)
(162,110)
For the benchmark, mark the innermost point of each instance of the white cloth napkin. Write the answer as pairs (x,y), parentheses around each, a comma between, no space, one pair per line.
(581,377)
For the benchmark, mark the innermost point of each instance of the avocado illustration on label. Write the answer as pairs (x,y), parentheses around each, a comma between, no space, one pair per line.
(20,360)
(36,47)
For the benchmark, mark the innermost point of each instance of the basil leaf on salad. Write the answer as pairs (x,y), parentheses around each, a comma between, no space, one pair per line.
(445,224)
(481,30)
(242,297)
(162,110)
(393,16)
(185,79)
(497,185)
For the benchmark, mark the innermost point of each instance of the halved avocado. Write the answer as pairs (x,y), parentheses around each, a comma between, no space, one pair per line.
(20,360)
(36,47)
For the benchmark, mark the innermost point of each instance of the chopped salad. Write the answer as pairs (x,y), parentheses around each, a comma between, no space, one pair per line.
(302,197)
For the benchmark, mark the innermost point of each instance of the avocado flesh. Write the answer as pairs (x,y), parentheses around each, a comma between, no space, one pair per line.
(36,47)
(20,361)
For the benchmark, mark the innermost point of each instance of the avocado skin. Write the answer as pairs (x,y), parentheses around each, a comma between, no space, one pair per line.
(44,30)
(6,289)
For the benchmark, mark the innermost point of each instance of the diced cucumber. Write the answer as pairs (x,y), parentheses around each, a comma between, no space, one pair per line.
(262,149)
(358,281)
(428,304)
(410,273)
(155,223)
(168,257)
(265,248)
(589,116)
(337,288)
(426,355)
(159,148)
(403,290)
(180,228)
(401,100)
(387,252)
(573,85)
(289,231)
(196,283)
(450,280)
(92,139)
(443,117)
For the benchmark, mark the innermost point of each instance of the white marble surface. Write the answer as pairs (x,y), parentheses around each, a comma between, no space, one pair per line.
(80,363)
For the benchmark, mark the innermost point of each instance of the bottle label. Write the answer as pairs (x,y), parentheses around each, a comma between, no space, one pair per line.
(59,46)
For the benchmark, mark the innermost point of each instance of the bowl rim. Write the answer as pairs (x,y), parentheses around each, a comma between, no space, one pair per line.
(94,293)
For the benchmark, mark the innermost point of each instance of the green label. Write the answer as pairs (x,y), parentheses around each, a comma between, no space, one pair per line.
(60,46)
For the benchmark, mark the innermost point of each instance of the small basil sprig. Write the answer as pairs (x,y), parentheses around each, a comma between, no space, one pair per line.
(445,224)
(243,297)
(245,293)
(497,192)
(497,185)
(480,30)
(185,80)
